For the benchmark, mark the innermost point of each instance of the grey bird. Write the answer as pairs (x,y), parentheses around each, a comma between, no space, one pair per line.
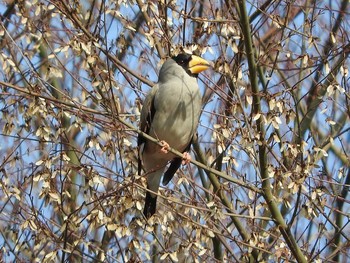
(170,113)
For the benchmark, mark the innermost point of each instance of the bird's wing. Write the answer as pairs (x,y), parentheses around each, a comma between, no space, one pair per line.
(147,113)
(174,165)
(146,118)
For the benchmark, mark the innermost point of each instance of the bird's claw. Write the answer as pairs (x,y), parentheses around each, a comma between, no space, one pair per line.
(165,147)
(186,158)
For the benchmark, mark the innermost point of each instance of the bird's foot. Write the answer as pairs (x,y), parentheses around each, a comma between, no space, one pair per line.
(186,158)
(165,147)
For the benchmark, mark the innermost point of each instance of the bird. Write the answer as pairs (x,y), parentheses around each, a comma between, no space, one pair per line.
(170,114)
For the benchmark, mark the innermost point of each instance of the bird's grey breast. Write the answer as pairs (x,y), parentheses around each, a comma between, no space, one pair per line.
(178,105)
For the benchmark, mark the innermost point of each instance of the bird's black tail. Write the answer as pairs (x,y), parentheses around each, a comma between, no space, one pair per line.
(150,205)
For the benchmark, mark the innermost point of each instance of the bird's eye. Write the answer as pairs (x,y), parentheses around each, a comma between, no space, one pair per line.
(182,59)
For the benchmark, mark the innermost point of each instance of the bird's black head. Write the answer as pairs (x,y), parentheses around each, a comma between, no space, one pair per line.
(183,59)
(191,64)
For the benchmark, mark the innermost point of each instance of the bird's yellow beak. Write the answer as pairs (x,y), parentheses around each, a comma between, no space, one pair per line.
(197,64)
